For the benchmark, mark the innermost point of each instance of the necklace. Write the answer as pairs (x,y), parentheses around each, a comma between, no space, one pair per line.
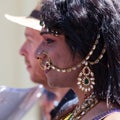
(81,110)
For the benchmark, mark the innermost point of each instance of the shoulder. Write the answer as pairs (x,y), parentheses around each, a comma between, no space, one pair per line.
(113,116)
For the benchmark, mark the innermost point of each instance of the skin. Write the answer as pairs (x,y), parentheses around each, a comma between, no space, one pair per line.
(60,55)
(27,50)
(33,38)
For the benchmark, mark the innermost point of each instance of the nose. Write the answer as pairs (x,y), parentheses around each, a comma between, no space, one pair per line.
(22,50)
(40,54)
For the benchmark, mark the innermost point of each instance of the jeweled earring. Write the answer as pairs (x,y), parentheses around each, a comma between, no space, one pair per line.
(86,79)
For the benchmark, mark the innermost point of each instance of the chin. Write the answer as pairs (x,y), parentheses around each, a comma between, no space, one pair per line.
(52,83)
(33,79)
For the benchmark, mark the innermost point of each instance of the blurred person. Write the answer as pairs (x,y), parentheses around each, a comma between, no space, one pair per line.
(33,39)
(45,101)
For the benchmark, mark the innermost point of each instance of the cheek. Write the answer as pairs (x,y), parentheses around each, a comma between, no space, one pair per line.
(61,59)
(32,57)
(58,79)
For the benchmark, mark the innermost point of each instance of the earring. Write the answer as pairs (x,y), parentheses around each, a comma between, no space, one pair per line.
(86,79)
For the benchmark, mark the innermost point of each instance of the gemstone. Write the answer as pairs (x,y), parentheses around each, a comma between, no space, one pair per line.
(86,81)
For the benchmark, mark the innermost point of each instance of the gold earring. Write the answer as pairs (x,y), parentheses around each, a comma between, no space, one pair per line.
(86,76)
(86,79)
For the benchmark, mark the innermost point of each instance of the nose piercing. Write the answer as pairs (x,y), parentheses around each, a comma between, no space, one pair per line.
(40,63)
(40,57)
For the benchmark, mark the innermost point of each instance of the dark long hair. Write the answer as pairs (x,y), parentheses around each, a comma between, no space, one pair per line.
(81,21)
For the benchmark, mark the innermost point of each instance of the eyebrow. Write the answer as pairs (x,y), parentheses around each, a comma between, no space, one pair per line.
(44,32)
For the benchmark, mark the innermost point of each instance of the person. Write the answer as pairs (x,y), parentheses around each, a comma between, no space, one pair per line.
(45,101)
(32,40)
(81,50)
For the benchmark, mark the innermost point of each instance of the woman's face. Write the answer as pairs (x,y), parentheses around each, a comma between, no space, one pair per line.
(60,56)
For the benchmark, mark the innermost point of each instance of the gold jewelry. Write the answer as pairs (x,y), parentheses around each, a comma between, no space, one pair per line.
(67,69)
(86,79)
(47,63)
(40,63)
(51,31)
(99,57)
(73,68)
(81,110)
(86,76)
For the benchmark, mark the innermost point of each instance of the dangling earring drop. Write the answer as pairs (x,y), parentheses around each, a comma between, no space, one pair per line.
(86,79)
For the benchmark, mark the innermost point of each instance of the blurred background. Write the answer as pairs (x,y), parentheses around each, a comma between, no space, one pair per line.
(13,71)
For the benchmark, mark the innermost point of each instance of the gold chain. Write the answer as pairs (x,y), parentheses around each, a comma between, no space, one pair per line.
(81,110)
(49,65)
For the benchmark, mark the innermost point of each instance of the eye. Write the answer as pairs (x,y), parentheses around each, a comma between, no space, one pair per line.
(48,40)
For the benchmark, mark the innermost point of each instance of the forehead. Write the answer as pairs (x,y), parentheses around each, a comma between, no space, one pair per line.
(29,32)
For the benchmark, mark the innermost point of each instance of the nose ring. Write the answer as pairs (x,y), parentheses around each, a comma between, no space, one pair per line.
(43,56)
(40,63)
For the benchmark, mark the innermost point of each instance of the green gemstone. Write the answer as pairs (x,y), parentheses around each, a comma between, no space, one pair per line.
(41,22)
(86,81)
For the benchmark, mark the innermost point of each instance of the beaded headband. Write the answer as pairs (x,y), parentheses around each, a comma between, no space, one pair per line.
(48,30)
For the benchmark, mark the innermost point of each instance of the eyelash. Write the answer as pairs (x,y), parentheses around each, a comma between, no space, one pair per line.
(49,41)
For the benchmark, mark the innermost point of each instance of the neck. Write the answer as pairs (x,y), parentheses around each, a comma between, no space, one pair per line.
(58,93)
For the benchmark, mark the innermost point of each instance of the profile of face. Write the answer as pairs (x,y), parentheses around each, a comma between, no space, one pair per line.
(60,55)
(32,40)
